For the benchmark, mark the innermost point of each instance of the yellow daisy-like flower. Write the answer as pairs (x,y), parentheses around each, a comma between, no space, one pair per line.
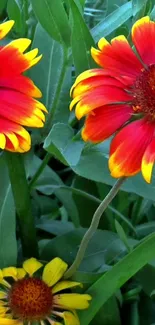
(30,298)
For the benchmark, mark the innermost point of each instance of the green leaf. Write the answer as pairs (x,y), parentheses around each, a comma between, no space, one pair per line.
(112,21)
(2,5)
(55,227)
(8,244)
(152,13)
(138,5)
(117,276)
(104,248)
(62,112)
(48,180)
(99,172)
(113,5)
(81,40)
(53,18)
(146,311)
(50,183)
(122,235)
(146,277)
(49,67)
(15,12)
(86,213)
(145,229)
(61,144)
(108,314)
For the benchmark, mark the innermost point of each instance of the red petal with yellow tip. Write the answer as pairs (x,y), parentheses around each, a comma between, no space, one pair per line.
(22,109)
(148,161)
(105,121)
(17,62)
(99,96)
(13,137)
(128,147)
(5,28)
(17,92)
(143,37)
(117,57)
(93,82)
(22,84)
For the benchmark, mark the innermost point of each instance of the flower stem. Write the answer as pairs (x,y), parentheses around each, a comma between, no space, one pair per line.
(39,170)
(23,203)
(93,227)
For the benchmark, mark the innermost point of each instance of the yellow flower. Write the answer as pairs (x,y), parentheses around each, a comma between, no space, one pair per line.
(32,298)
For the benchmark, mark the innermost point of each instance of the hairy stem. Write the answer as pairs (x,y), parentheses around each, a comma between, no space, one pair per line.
(93,227)
(22,203)
(39,170)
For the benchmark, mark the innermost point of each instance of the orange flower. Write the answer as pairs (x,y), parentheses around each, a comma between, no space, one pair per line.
(123,90)
(17,105)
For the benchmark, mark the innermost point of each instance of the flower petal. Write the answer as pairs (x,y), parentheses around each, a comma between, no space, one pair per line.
(104,121)
(88,74)
(72,300)
(3,295)
(148,161)
(94,82)
(19,62)
(51,321)
(53,271)
(143,36)
(99,96)
(5,28)
(22,84)
(13,137)
(102,73)
(65,285)
(8,321)
(20,108)
(70,319)
(32,265)
(20,273)
(3,310)
(128,147)
(10,272)
(117,57)
(21,43)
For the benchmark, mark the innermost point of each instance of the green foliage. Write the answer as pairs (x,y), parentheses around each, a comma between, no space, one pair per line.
(8,245)
(67,178)
(53,18)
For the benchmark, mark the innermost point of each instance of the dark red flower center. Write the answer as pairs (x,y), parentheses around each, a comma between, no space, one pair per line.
(144,92)
(30,299)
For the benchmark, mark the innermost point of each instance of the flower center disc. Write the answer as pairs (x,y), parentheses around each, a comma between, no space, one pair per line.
(30,299)
(144,93)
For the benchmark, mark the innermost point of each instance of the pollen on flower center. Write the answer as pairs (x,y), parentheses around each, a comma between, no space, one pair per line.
(30,299)
(144,92)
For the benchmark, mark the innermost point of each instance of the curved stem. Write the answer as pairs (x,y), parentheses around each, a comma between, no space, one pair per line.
(22,203)
(93,227)
(39,170)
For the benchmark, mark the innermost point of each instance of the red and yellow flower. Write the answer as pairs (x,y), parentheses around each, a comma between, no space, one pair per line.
(120,97)
(18,107)
(32,298)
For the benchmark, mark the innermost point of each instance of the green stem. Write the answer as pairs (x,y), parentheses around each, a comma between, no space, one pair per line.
(23,203)
(93,227)
(57,93)
(39,170)
(134,313)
